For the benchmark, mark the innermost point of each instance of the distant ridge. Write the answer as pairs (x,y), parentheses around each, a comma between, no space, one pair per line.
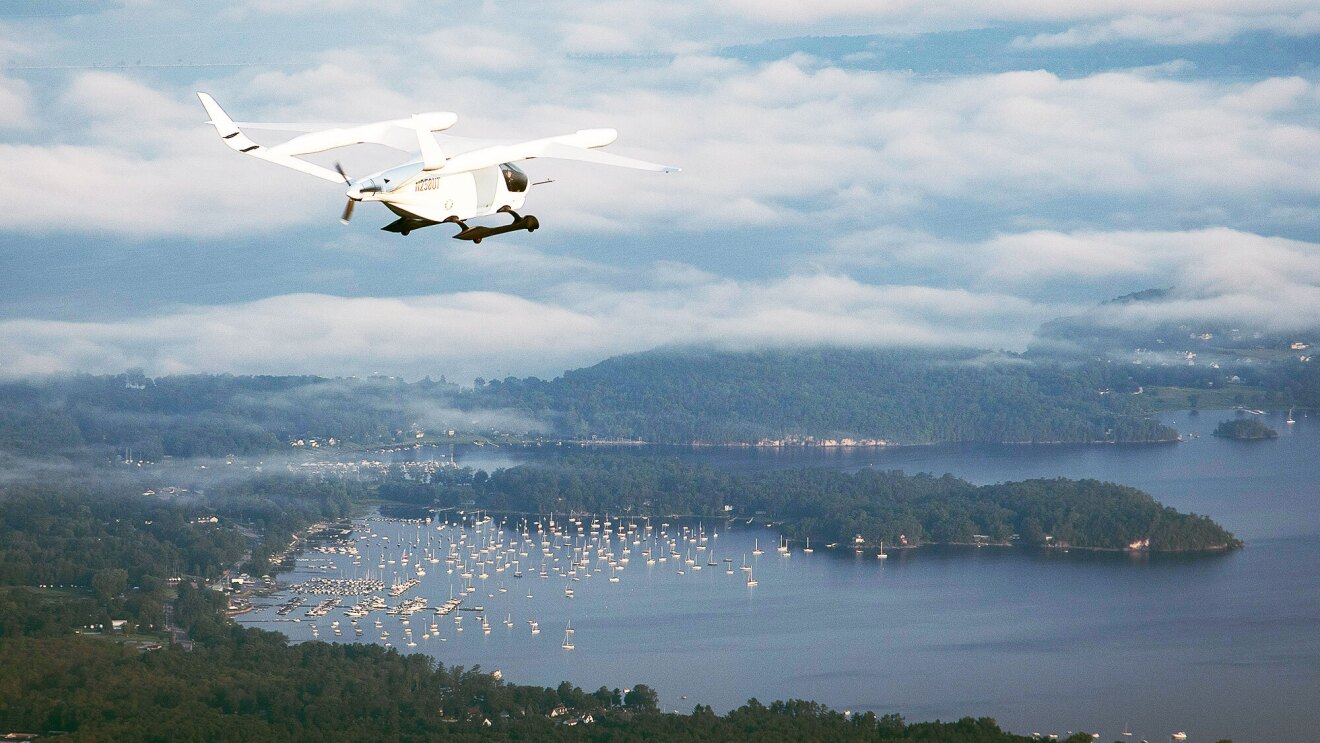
(831,396)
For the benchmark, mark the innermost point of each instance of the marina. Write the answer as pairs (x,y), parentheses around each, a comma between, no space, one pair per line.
(1220,646)
(471,552)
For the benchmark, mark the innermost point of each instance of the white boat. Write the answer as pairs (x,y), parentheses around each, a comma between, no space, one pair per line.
(751,581)
(807,549)
(568,641)
(756,547)
(881,555)
(1180,735)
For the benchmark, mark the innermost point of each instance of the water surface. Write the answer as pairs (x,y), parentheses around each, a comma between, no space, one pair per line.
(1219,646)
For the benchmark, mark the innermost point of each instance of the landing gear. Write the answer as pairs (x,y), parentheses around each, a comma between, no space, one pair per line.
(479,233)
(404,225)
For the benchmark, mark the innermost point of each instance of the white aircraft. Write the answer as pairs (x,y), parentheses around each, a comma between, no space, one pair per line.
(455,179)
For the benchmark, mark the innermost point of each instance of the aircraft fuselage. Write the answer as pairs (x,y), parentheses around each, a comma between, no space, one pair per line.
(438,197)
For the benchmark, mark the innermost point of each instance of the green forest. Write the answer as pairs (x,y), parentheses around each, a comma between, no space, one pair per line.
(830,506)
(1245,428)
(667,396)
(672,396)
(203,415)
(251,685)
(898,396)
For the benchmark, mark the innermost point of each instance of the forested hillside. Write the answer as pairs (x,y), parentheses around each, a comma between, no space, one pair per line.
(673,396)
(898,396)
(204,414)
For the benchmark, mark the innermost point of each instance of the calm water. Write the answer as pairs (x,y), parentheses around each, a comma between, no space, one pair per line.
(1219,646)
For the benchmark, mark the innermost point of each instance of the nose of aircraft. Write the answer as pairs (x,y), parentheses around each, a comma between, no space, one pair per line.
(358,190)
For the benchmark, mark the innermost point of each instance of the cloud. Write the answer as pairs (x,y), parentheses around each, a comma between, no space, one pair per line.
(429,410)
(786,143)
(1006,197)
(435,417)
(1001,9)
(1193,28)
(1220,273)
(490,334)
(15,101)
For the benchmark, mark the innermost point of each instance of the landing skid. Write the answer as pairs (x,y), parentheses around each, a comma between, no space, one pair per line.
(479,233)
(404,225)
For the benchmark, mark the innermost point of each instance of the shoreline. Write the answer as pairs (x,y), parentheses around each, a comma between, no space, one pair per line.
(830,444)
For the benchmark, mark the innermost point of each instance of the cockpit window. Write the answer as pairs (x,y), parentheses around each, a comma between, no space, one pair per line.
(514,178)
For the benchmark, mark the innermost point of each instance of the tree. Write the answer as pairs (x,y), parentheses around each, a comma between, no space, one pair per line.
(109,583)
(642,697)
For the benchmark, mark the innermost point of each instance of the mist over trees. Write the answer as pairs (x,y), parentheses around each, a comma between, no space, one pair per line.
(669,396)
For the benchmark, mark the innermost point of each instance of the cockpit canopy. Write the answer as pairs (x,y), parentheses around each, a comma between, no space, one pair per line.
(514,178)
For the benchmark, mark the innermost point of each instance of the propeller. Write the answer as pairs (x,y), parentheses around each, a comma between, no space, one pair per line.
(348,208)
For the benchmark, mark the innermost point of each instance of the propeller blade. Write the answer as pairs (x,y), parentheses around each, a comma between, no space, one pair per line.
(340,170)
(348,212)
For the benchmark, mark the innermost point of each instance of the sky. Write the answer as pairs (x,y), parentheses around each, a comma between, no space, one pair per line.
(854,172)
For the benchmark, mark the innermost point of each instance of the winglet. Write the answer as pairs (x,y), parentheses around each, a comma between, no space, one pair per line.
(239,142)
(225,126)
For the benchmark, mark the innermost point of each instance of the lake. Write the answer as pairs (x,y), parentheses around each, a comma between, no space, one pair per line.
(1218,645)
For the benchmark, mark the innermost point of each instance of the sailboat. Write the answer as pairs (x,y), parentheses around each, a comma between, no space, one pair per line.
(882,555)
(756,547)
(750,580)
(1290,420)
(568,639)
(807,549)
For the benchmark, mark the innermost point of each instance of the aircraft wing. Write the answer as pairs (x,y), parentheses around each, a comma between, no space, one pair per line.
(415,135)
(579,145)
(401,134)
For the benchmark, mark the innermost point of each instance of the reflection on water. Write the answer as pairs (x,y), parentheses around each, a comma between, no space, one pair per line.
(1221,646)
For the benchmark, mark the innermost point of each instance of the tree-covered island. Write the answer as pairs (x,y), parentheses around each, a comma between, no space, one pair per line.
(1245,429)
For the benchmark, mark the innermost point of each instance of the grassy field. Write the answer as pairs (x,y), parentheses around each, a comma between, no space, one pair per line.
(1226,398)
